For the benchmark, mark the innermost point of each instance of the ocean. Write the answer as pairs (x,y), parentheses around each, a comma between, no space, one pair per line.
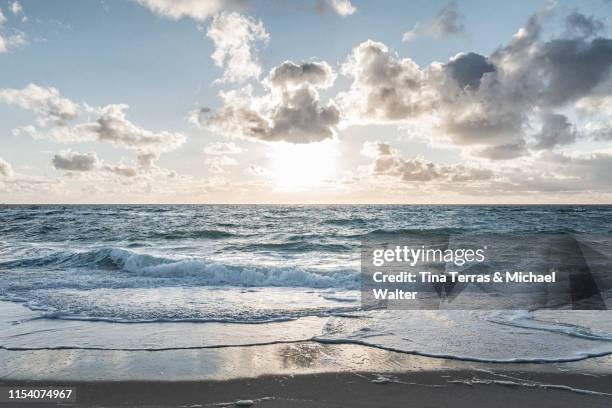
(190,276)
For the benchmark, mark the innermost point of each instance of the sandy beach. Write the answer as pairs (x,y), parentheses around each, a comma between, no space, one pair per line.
(304,375)
(117,364)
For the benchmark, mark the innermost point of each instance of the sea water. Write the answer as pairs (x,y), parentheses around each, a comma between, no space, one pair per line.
(86,276)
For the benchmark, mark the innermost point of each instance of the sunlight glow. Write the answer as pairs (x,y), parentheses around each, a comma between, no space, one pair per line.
(297,167)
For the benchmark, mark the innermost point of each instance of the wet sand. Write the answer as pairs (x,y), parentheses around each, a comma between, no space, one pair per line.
(294,373)
(419,389)
(305,375)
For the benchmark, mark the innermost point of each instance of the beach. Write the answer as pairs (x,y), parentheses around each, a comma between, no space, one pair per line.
(307,374)
(299,372)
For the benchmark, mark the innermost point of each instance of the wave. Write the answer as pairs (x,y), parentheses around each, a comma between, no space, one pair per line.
(529,321)
(199,272)
(193,234)
(420,231)
(294,246)
(578,356)
(346,221)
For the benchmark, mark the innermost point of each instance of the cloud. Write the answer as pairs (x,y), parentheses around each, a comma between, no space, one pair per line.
(217,164)
(6,170)
(257,171)
(446,22)
(222,148)
(384,88)
(56,114)
(572,67)
(556,130)
(112,126)
(506,151)
(581,25)
(45,101)
(121,170)
(196,9)
(20,185)
(234,36)
(292,75)
(343,8)
(487,105)
(468,69)
(596,111)
(389,162)
(291,111)
(73,161)
(18,38)
(16,7)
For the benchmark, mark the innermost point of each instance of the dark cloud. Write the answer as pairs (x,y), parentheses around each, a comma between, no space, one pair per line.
(300,119)
(73,161)
(581,25)
(573,67)
(318,74)
(504,151)
(556,130)
(468,69)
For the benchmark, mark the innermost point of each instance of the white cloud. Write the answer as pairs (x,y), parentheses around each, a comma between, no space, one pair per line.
(113,126)
(17,38)
(385,88)
(217,164)
(235,36)
(16,7)
(222,148)
(14,41)
(342,7)
(445,23)
(6,170)
(75,163)
(56,114)
(45,101)
(389,162)
(291,111)
(198,10)
(121,170)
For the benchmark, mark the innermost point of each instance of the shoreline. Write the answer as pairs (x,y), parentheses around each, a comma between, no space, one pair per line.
(299,372)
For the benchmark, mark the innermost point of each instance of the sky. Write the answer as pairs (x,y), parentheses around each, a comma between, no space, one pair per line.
(313,101)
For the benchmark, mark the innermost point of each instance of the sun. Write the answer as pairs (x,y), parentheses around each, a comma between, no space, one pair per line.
(297,167)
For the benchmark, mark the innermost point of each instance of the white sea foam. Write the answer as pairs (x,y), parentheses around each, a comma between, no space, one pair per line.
(473,336)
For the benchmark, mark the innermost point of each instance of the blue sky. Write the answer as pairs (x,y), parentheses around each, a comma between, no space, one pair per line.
(99,53)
